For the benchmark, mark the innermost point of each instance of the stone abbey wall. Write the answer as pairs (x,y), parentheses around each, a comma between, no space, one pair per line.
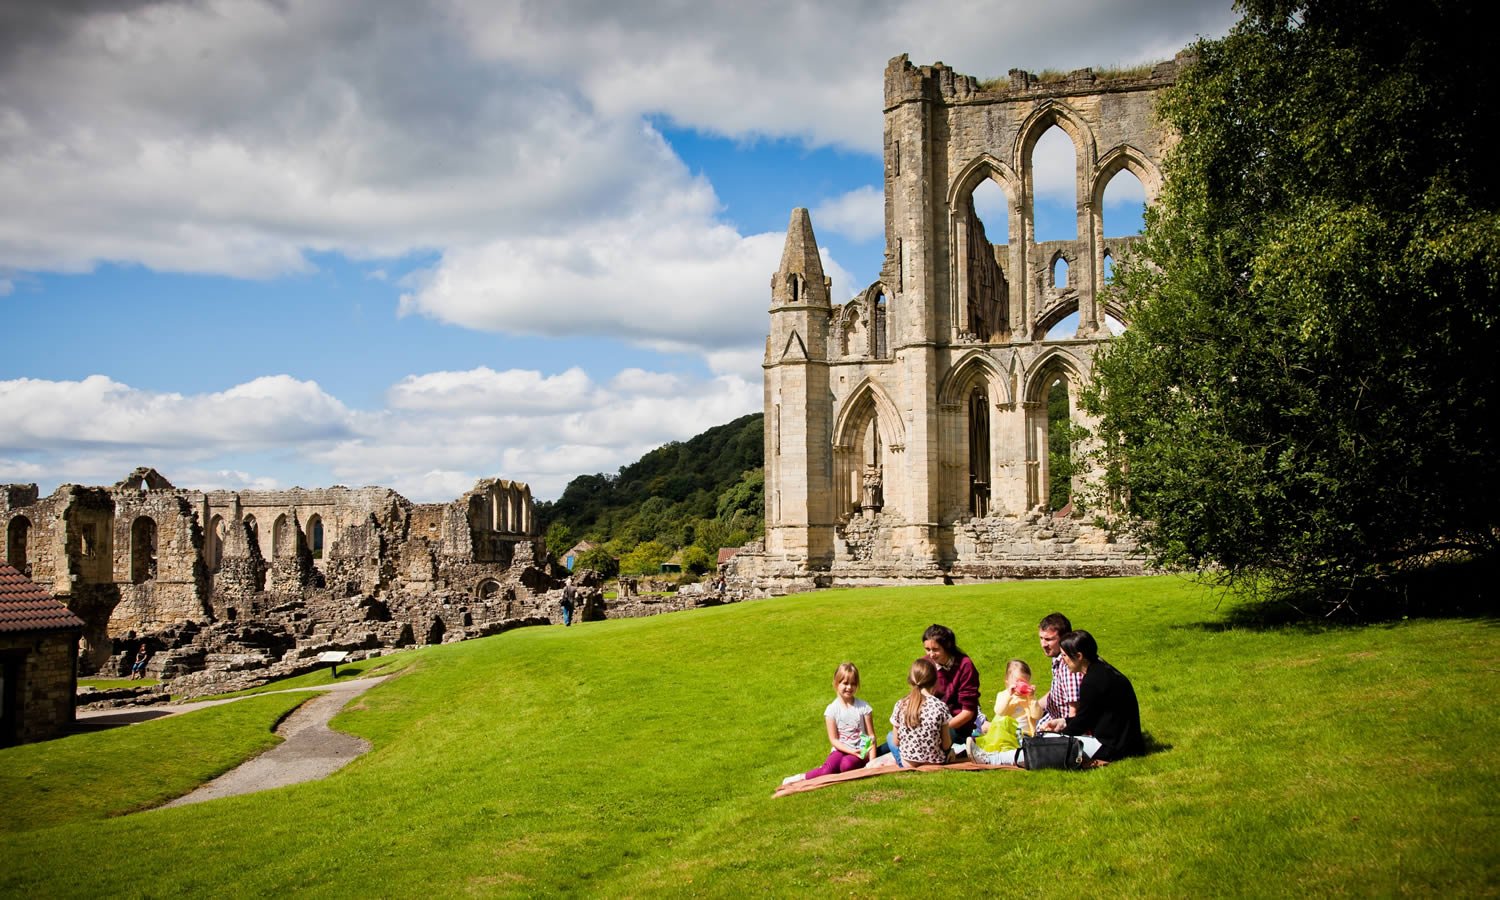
(254,579)
(907,428)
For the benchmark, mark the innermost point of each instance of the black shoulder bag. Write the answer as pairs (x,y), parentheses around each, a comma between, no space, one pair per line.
(1050,751)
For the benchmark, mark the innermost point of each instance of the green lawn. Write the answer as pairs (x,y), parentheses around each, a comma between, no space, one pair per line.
(105,684)
(638,757)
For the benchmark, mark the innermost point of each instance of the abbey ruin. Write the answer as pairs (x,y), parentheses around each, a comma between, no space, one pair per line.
(217,582)
(907,428)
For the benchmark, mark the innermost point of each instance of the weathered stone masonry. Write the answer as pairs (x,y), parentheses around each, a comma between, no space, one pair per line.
(906,430)
(252,580)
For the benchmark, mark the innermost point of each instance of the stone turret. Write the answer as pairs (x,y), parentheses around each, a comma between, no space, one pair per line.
(798,430)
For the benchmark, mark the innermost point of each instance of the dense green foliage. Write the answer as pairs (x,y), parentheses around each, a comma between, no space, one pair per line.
(708,492)
(1351,777)
(1306,394)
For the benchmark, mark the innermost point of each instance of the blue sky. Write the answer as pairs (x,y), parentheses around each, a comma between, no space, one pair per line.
(265,244)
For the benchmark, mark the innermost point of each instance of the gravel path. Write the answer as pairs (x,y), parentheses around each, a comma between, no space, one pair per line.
(310,749)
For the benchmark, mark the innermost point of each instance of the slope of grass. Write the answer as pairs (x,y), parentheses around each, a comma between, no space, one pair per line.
(638,757)
(87,777)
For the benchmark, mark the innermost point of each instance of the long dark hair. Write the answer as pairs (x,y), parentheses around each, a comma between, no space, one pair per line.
(944,636)
(1081,642)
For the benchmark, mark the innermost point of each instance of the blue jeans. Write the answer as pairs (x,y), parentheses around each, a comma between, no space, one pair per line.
(567,615)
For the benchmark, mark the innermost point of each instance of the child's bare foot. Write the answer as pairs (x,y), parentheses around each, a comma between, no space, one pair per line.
(793,779)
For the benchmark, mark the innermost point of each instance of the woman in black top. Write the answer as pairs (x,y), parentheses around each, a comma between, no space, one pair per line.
(1107,708)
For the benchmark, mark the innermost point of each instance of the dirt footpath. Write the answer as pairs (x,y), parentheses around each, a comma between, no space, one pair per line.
(310,749)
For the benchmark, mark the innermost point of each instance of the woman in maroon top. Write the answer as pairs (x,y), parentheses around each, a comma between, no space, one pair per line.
(957,681)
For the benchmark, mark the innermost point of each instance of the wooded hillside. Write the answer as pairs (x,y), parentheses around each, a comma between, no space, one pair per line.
(705,493)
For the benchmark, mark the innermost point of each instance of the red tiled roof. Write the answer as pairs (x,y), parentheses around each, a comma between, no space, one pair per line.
(26,606)
(727,553)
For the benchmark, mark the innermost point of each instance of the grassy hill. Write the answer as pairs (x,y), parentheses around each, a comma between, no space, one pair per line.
(639,756)
(707,491)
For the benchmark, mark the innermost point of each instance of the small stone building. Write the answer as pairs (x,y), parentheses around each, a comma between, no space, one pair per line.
(38,652)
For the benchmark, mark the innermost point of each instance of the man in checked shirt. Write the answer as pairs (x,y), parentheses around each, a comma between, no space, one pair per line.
(1062,697)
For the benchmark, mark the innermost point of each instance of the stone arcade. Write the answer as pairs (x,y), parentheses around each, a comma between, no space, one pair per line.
(262,580)
(906,430)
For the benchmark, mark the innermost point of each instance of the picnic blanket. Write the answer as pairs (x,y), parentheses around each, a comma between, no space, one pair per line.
(813,784)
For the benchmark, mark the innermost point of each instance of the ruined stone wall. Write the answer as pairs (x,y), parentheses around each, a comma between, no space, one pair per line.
(157,561)
(239,580)
(907,428)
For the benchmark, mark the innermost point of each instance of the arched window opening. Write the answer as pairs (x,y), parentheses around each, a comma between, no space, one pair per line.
(142,550)
(315,535)
(281,537)
(213,544)
(488,589)
(872,487)
(1109,268)
(1114,325)
(979,454)
(793,288)
(988,292)
(17,534)
(1060,273)
(1065,329)
(878,326)
(1059,446)
(1124,205)
(252,533)
(1054,186)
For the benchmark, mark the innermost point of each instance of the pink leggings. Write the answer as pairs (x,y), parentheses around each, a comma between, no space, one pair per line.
(837,761)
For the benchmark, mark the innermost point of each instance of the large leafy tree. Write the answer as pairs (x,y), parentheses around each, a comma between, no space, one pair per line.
(1306,393)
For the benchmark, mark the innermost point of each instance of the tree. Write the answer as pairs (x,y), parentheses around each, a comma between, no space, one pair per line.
(697,560)
(600,560)
(645,559)
(559,539)
(1304,397)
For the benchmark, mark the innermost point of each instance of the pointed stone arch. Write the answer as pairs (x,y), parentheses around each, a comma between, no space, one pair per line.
(1044,116)
(868,437)
(972,398)
(984,166)
(1040,375)
(1124,157)
(892,429)
(981,289)
(954,386)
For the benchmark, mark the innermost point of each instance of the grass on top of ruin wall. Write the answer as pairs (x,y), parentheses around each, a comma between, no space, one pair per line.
(89,777)
(638,757)
(105,684)
(389,664)
(1053,76)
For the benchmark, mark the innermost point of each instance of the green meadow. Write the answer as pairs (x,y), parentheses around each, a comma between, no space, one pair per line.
(639,756)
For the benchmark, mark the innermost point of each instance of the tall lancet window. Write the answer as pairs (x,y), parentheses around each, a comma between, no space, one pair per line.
(979,454)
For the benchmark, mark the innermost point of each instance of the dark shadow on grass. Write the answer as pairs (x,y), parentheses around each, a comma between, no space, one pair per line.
(1463,589)
(1153,746)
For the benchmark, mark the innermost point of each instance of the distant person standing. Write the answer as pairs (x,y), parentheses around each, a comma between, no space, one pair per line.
(1062,696)
(569,599)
